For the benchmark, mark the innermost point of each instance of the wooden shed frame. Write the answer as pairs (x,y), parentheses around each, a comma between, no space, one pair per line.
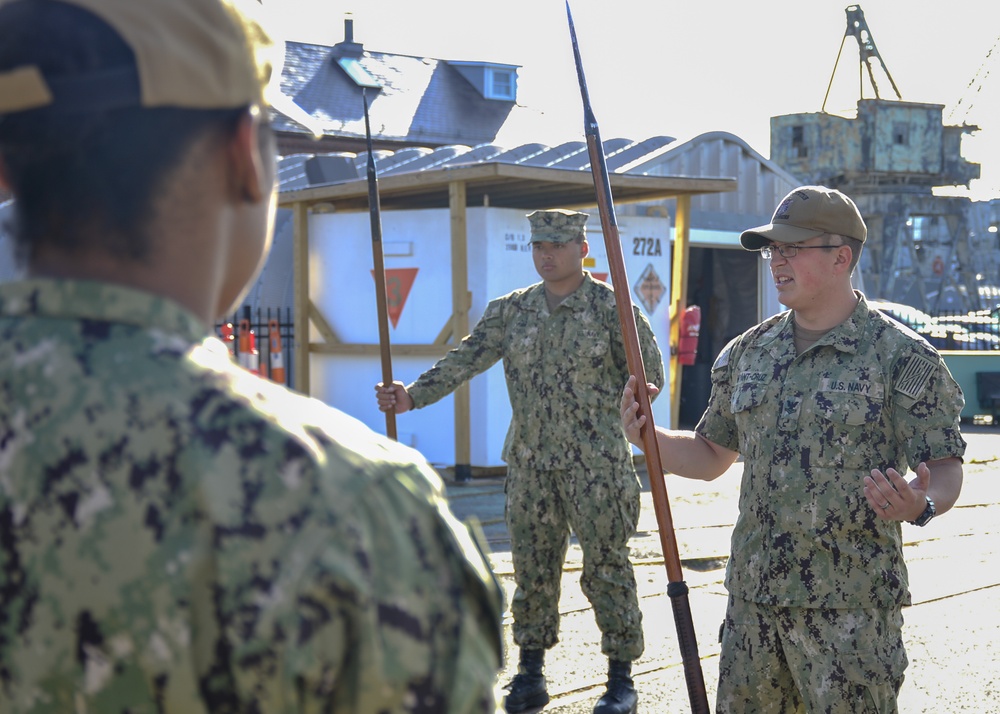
(457,188)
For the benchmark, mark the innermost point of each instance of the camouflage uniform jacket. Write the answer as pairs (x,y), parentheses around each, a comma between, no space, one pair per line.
(565,373)
(179,535)
(869,394)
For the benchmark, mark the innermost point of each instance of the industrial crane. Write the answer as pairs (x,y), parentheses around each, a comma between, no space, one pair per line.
(858,28)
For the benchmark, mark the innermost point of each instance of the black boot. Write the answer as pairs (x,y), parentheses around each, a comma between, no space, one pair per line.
(620,697)
(527,689)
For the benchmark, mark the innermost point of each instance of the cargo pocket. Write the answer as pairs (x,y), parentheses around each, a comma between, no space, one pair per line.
(876,675)
(749,666)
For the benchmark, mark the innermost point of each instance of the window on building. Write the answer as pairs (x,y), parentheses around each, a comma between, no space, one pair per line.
(799,148)
(493,81)
(901,134)
(500,83)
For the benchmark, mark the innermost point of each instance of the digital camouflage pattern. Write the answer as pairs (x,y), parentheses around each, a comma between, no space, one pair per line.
(557,225)
(839,660)
(816,581)
(601,506)
(569,464)
(869,394)
(564,371)
(179,535)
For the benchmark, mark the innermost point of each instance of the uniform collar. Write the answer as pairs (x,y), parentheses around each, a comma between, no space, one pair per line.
(92,300)
(577,300)
(846,337)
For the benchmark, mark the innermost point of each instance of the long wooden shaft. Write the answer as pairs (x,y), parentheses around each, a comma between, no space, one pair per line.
(677,589)
(382,303)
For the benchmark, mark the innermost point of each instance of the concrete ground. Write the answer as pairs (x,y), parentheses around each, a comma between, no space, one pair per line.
(951,630)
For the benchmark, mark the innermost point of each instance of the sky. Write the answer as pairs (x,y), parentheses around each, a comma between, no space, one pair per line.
(684,67)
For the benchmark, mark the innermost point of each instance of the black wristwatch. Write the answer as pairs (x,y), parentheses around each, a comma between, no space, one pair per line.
(924,518)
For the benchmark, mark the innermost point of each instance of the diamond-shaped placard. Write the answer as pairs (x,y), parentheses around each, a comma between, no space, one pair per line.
(649,289)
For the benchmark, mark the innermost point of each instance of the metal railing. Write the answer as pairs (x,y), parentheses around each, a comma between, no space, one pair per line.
(978,330)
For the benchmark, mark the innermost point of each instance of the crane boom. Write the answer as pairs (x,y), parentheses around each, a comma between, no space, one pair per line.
(858,28)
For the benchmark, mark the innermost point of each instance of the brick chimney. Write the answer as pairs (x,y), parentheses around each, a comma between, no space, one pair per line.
(348,48)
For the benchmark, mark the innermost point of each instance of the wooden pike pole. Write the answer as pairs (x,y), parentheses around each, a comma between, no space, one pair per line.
(375,209)
(677,589)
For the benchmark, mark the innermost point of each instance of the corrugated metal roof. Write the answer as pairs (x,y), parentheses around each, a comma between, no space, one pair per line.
(761,182)
(572,155)
(550,156)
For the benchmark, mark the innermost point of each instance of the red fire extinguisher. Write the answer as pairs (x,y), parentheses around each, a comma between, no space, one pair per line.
(228,335)
(687,350)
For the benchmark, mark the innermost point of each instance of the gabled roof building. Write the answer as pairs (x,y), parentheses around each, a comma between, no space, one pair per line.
(413,101)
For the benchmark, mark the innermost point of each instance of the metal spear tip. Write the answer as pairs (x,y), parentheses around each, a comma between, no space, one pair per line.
(572,27)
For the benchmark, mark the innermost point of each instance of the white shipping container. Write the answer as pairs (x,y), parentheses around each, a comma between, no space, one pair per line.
(499,261)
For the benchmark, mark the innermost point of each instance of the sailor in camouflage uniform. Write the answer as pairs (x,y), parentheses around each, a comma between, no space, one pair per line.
(177,534)
(569,465)
(828,403)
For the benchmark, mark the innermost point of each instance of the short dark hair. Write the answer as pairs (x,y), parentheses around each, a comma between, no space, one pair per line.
(856,246)
(88,177)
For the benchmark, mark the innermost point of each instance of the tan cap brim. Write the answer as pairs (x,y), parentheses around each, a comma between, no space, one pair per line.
(757,238)
(189,54)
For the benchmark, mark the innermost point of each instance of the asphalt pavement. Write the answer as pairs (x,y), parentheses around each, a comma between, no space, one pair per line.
(951,630)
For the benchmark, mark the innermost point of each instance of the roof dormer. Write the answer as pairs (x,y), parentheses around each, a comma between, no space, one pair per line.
(492,80)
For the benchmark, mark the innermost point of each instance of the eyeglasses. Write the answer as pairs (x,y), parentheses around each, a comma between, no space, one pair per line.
(789,251)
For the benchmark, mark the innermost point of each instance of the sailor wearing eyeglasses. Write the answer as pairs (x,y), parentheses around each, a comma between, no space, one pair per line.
(829,404)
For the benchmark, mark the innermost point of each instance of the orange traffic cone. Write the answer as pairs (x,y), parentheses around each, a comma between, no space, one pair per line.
(249,357)
(254,360)
(276,353)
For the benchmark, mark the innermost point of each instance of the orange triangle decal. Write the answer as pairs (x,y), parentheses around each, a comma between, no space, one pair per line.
(603,277)
(398,282)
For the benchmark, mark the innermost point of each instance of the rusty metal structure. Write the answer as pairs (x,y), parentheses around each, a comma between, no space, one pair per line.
(930,251)
(857,27)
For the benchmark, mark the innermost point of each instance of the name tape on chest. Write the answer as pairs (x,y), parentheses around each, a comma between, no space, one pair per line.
(916,372)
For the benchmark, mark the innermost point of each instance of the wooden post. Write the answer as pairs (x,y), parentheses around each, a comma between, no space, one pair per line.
(460,302)
(678,299)
(300,271)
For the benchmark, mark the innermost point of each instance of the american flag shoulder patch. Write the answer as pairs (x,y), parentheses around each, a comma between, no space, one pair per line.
(723,359)
(912,380)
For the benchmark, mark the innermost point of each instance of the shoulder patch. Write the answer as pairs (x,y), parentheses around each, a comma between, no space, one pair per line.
(913,378)
(723,359)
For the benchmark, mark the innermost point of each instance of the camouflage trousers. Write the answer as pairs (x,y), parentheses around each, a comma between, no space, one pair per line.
(785,660)
(602,508)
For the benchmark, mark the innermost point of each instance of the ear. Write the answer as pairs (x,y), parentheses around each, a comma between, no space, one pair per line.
(844,255)
(584,249)
(249,170)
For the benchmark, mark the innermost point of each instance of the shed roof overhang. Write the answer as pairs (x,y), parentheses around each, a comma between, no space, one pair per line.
(501,185)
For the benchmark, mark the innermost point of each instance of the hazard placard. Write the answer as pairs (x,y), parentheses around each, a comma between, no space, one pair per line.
(649,289)
(398,282)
